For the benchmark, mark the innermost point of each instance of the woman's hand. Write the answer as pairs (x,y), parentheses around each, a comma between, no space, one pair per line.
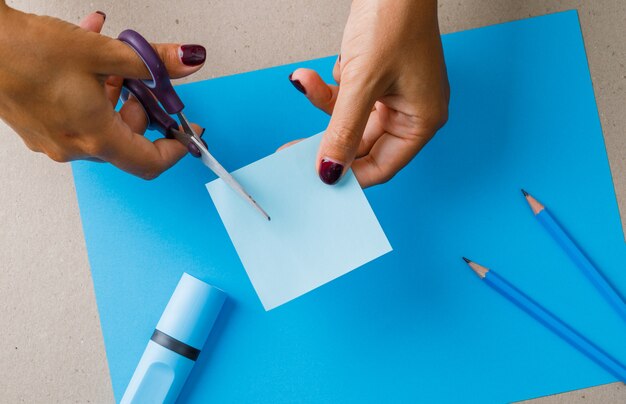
(59,84)
(393,90)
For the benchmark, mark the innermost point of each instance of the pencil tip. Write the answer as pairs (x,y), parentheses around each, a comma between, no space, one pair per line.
(478,269)
(535,206)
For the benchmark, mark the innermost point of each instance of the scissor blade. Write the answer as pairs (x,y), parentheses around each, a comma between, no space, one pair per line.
(186,125)
(221,172)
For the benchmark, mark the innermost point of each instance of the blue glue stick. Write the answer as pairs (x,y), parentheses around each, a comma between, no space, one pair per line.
(176,342)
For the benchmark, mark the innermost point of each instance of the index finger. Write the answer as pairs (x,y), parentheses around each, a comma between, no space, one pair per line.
(136,154)
(388,155)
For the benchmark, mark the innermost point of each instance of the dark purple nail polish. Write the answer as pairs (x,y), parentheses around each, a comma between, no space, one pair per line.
(339,58)
(192,55)
(297,84)
(202,134)
(193,150)
(330,171)
(104,16)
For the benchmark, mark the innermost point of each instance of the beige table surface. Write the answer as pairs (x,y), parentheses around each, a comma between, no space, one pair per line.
(51,347)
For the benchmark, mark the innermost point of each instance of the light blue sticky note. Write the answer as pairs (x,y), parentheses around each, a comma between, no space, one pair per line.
(415,325)
(317,232)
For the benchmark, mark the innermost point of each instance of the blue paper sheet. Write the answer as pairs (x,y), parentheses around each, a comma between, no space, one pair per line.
(415,325)
(317,232)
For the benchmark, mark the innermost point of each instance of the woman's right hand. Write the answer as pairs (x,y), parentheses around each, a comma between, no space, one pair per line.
(59,84)
(392,94)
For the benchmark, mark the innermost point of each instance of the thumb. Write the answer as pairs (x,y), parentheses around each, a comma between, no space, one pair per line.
(116,58)
(341,140)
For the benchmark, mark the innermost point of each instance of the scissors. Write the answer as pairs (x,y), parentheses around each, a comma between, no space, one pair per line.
(150,93)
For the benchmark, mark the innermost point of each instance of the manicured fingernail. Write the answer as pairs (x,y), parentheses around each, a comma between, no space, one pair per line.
(330,171)
(297,84)
(104,16)
(193,150)
(339,58)
(192,55)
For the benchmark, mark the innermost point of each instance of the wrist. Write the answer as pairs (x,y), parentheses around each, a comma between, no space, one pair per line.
(420,15)
(4,10)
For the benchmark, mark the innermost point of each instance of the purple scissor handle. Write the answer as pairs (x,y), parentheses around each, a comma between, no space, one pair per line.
(158,119)
(160,85)
(150,93)
(159,89)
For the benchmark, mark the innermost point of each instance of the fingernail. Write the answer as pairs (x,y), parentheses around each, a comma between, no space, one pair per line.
(104,16)
(297,84)
(193,150)
(192,55)
(330,171)
(202,134)
(339,58)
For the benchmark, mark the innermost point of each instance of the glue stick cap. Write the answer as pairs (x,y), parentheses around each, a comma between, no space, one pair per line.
(191,311)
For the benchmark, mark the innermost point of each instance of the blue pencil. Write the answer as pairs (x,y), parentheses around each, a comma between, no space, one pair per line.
(549,320)
(576,254)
